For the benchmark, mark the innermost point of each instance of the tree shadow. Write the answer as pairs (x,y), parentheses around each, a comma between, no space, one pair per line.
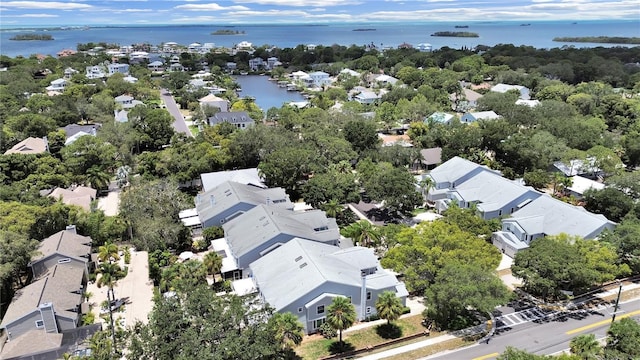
(289,354)
(389,331)
(338,347)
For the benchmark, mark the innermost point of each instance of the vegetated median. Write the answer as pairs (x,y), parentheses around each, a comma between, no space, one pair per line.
(600,39)
(27,37)
(456,34)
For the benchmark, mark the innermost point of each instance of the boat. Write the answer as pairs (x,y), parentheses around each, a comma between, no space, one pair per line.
(292,87)
(525,24)
(462,26)
(244,73)
(283,83)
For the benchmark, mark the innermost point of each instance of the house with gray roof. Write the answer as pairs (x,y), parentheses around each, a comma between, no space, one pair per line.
(239,119)
(522,90)
(450,174)
(244,176)
(63,247)
(231,199)
(491,194)
(547,216)
(312,274)
(50,304)
(471,117)
(265,228)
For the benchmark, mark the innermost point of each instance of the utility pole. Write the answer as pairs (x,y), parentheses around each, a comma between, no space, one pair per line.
(615,308)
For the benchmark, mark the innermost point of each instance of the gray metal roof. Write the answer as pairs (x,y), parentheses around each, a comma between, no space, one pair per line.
(262,223)
(244,176)
(549,216)
(56,288)
(230,193)
(491,191)
(233,117)
(454,169)
(301,267)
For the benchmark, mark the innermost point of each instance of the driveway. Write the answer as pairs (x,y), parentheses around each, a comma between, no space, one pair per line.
(179,125)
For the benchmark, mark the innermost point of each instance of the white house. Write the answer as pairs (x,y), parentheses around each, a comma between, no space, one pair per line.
(319,78)
(470,117)
(156,66)
(256,63)
(503,88)
(57,85)
(95,72)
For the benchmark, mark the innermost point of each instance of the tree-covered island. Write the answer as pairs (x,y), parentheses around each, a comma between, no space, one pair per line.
(467,34)
(600,39)
(227,32)
(27,37)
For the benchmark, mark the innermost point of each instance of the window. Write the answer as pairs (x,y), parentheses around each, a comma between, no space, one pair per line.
(368,309)
(350,299)
(39,324)
(368,295)
(320,309)
(299,309)
(317,323)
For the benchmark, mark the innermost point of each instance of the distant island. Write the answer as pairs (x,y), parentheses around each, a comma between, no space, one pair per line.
(462,26)
(455,34)
(525,24)
(363,30)
(227,32)
(600,39)
(25,37)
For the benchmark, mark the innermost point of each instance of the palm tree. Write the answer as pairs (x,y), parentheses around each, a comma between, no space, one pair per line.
(426,185)
(389,306)
(288,330)
(363,232)
(109,274)
(97,178)
(108,252)
(212,263)
(341,314)
(585,346)
(333,208)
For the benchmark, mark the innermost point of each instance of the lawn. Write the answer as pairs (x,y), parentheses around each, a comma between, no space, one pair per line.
(194,129)
(315,346)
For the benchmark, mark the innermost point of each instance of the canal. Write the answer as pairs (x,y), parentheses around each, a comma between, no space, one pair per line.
(267,93)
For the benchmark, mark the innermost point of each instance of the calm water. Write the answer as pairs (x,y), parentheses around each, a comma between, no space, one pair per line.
(537,34)
(267,93)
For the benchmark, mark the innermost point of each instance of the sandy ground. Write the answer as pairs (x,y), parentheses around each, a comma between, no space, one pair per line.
(109,204)
(136,288)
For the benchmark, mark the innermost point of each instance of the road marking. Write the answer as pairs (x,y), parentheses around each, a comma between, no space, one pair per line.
(489,356)
(600,323)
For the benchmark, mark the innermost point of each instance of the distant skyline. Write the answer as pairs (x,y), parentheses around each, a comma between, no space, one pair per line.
(176,12)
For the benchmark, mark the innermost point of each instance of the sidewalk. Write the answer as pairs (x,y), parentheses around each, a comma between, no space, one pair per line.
(409,347)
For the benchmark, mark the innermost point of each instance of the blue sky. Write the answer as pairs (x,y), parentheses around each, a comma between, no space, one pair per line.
(140,12)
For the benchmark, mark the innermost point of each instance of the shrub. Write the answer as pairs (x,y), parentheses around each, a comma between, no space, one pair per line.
(127,255)
(200,245)
(88,319)
(327,331)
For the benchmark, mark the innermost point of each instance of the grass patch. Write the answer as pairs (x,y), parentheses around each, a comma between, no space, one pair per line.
(194,129)
(314,347)
(430,350)
(417,211)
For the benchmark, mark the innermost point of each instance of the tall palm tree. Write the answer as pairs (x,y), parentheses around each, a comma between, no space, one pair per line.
(109,274)
(389,306)
(212,263)
(426,185)
(363,232)
(108,252)
(288,330)
(341,314)
(97,178)
(585,346)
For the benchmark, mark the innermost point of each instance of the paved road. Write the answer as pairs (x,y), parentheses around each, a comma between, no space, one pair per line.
(179,125)
(544,335)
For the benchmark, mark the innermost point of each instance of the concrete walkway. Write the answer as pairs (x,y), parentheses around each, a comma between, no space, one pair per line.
(409,347)
(415,304)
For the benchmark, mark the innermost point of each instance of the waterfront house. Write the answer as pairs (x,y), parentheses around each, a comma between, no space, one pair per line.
(547,216)
(312,274)
(118,68)
(319,79)
(239,119)
(243,176)
(273,62)
(194,47)
(256,63)
(29,145)
(231,66)
(522,90)
(66,52)
(264,228)
(425,47)
(471,117)
(231,199)
(214,101)
(440,117)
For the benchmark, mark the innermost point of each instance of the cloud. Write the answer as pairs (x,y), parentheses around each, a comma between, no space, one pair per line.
(57,5)
(209,7)
(302,3)
(131,10)
(32,16)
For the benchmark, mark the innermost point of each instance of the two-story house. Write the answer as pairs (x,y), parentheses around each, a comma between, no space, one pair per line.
(118,68)
(239,119)
(312,274)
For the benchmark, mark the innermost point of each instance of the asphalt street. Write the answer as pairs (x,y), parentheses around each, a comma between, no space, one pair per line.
(545,335)
(179,125)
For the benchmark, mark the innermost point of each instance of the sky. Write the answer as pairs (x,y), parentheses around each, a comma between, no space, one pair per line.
(141,12)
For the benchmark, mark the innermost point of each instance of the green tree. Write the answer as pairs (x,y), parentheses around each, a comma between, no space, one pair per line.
(512,353)
(212,233)
(586,347)
(626,239)
(363,232)
(538,179)
(459,287)
(623,340)
(97,178)
(288,330)
(108,252)
(393,186)
(362,135)
(212,263)
(341,314)
(389,306)
(610,202)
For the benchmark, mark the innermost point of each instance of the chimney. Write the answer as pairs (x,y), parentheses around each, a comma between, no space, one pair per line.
(71,229)
(268,200)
